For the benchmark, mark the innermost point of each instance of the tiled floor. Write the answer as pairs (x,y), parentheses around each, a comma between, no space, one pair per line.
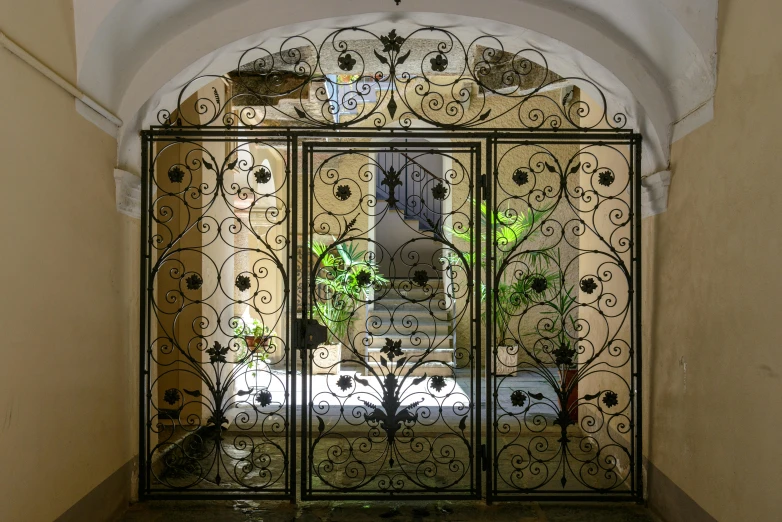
(247,511)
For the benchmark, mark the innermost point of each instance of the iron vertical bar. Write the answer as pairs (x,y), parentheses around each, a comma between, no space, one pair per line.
(293,343)
(143,374)
(305,289)
(407,186)
(489,330)
(637,294)
(476,357)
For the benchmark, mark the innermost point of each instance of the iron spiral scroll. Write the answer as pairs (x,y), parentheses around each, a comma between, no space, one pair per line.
(428,77)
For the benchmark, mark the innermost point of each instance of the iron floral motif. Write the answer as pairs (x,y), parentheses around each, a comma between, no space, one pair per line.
(345,382)
(610,399)
(606,178)
(563,356)
(262,175)
(217,353)
(343,193)
(264,398)
(437,383)
(392,42)
(588,285)
(172,396)
(346,62)
(539,284)
(243,283)
(439,63)
(520,177)
(439,191)
(420,277)
(364,278)
(518,398)
(392,348)
(176,174)
(391,415)
(194,282)
(391,181)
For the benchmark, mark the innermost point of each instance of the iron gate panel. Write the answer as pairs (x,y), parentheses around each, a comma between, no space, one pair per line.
(394,411)
(565,366)
(216,361)
(532,286)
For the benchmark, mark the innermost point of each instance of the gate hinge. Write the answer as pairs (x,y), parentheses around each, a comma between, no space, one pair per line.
(483,186)
(484,457)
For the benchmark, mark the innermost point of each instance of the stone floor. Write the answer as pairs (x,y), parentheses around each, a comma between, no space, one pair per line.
(249,511)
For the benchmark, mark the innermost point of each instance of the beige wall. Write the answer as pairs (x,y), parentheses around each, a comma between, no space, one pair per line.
(713,284)
(68,312)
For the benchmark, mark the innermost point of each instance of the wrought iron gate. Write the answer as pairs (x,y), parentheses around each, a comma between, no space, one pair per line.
(338,299)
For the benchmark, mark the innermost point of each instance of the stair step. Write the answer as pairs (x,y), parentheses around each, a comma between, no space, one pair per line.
(422,306)
(438,354)
(404,283)
(398,327)
(415,293)
(383,310)
(439,341)
(430,369)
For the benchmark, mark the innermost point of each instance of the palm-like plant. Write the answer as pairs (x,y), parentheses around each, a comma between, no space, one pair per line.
(346,275)
(521,277)
(559,336)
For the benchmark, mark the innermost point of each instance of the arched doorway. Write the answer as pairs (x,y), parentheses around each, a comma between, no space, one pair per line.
(493,353)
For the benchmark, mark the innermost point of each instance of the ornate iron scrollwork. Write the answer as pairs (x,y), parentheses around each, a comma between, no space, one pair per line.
(529,230)
(562,286)
(401,422)
(357,78)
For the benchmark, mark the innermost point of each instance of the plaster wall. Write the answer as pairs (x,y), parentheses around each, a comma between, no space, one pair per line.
(68,314)
(713,287)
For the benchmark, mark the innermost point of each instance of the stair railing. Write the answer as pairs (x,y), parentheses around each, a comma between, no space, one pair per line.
(413,184)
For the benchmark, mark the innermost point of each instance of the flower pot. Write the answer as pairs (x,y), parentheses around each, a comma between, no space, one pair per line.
(254,342)
(326,359)
(507,360)
(571,377)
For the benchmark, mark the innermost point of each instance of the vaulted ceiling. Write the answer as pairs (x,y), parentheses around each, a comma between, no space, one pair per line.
(656,58)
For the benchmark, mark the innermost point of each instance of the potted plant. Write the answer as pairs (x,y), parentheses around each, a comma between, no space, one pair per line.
(254,340)
(513,289)
(346,279)
(563,351)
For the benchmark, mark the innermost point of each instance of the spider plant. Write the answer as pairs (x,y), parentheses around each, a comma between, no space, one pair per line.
(559,335)
(346,275)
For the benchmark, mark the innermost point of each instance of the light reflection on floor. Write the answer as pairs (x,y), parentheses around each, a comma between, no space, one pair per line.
(454,392)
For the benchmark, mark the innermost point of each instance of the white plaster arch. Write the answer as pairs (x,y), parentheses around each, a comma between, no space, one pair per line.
(655,57)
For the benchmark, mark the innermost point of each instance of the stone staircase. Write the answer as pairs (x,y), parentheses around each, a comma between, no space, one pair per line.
(414,318)
(411,313)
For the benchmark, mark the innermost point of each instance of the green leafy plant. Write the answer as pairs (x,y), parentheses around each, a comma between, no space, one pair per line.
(346,275)
(514,288)
(260,335)
(563,351)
